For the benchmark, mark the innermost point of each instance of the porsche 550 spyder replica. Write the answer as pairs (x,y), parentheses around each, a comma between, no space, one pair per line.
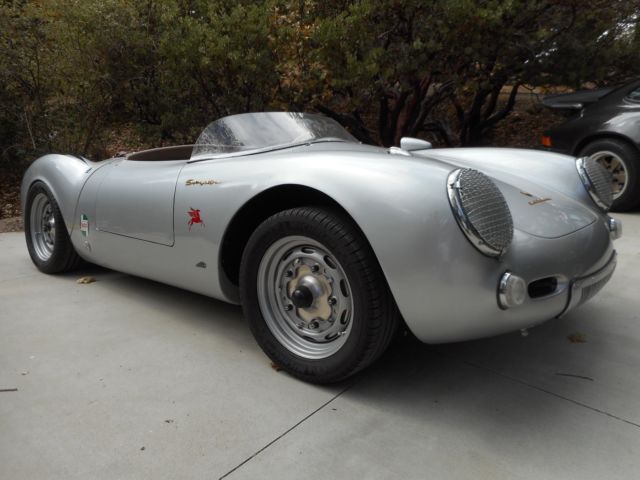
(329,244)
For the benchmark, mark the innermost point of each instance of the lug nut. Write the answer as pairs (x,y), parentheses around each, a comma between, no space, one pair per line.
(288,307)
(332,300)
(315,268)
(313,325)
(289,273)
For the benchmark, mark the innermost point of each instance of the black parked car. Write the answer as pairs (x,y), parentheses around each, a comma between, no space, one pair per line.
(603,124)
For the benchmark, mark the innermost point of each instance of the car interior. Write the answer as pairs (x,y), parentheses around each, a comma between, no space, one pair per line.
(177,152)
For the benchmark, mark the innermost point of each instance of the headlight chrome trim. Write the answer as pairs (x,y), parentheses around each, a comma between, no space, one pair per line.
(583,172)
(462,218)
(512,291)
(615,228)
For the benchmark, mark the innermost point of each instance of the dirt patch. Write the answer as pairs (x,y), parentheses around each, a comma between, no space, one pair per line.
(13,224)
(523,128)
(9,194)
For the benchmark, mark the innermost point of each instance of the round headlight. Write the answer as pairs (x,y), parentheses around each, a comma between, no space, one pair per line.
(481,211)
(597,180)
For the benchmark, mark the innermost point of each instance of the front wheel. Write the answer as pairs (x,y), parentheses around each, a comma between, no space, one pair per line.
(622,161)
(47,238)
(314,295)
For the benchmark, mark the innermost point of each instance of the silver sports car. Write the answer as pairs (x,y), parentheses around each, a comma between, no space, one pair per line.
(328,244)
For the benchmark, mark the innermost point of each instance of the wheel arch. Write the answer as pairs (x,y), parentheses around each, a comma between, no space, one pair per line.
(64,176)
(254,212)
(604,136)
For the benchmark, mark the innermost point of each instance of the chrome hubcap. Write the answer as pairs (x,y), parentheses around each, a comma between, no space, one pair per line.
(305,297)
(42,226)
(616,167)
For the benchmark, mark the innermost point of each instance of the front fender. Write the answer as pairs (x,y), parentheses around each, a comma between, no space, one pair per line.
(400,206)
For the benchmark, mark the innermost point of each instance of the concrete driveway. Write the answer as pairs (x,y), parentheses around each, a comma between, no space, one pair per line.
(127,378)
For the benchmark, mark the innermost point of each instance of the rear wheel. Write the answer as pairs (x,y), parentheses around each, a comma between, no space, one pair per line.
(47,238)
(315,296)
(623,162)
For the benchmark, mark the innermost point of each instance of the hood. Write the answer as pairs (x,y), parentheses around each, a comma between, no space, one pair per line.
(536,207)
(543,212)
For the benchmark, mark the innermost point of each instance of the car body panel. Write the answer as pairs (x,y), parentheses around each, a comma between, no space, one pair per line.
(135,199)
(613,114)
(445,289)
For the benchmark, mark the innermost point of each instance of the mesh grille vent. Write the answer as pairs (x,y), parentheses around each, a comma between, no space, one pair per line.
(601,180)
(485,209)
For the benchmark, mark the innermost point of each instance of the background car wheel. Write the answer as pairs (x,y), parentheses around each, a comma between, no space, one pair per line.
(622,161)
(47,238)
(314,294)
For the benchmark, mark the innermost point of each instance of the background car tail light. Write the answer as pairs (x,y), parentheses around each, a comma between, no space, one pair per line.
(546,141)
(480,210)
(597,180)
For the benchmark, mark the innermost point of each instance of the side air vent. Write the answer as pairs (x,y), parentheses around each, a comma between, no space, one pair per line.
(543,287)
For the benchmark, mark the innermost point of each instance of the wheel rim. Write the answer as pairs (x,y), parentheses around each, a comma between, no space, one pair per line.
(305,297)
(617,167)
(42,224)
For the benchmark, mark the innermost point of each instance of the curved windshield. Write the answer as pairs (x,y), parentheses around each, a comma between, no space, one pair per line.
(260,131)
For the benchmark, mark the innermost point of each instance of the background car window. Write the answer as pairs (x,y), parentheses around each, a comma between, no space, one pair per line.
(634,95)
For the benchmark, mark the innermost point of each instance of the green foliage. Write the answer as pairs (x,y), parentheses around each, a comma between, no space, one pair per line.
(73,72)
(416,58)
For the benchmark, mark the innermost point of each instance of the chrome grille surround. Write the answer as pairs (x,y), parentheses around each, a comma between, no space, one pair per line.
(584,288)
(480,210)
(597,180)
(589,291)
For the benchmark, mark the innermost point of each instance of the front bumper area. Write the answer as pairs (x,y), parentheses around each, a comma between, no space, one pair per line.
(584,288)
(457,298)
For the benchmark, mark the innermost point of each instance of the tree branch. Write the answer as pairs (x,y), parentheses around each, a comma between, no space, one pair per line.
(352,122)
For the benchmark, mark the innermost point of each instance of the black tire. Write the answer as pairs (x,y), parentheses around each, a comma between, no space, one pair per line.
(375,316)
(630,197)
(62,256)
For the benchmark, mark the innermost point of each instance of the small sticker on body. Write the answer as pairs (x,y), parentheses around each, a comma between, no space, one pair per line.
(194,217)
(84,225)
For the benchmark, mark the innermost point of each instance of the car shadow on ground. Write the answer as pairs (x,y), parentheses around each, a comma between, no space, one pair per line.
(204,313)
(412,378)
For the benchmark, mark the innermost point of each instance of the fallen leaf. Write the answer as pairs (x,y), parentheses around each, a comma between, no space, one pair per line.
(275,366)
(169,420)
(142,448)
(85,280)
(577,338)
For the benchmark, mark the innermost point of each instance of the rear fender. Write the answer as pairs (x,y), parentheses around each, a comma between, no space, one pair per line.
(65,176)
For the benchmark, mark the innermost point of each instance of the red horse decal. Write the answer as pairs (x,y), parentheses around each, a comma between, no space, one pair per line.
(194,215)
